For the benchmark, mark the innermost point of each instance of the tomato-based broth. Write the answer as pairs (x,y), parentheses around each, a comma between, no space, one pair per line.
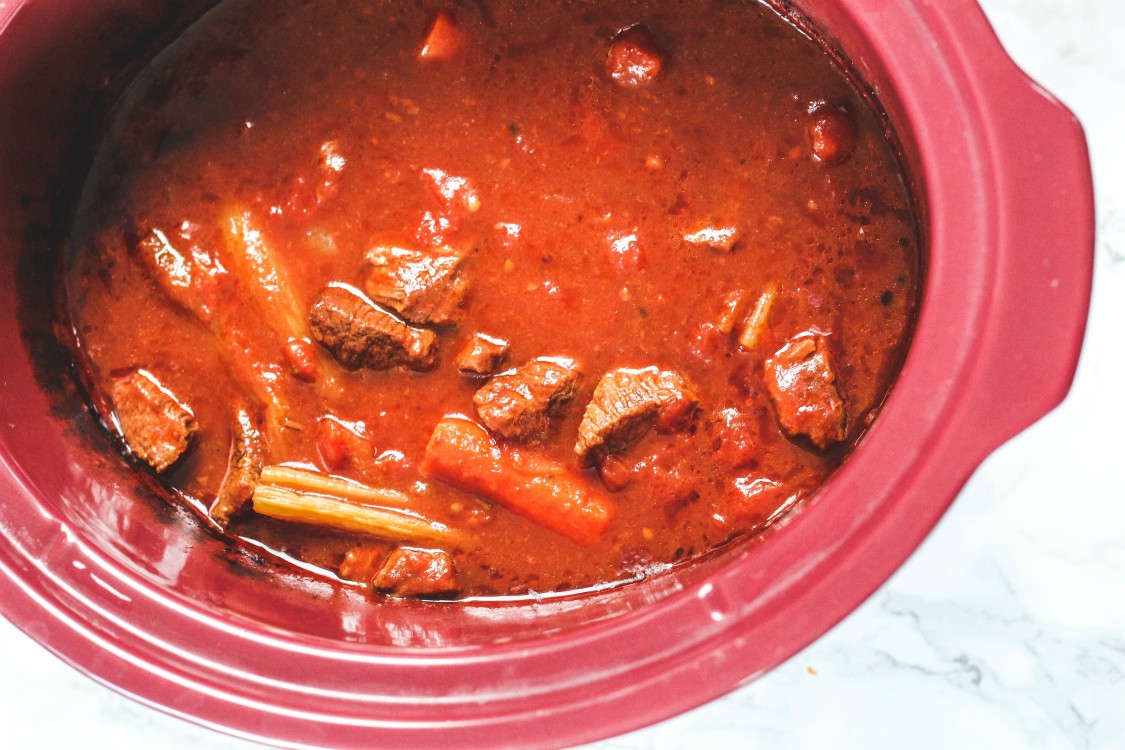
(492,298)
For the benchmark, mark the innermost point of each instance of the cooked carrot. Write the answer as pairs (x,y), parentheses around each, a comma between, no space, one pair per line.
(462,453)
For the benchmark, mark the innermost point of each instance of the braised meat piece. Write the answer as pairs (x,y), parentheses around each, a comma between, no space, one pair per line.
(173,271)
(802,383)
(482,355)
(417,572)
(157,426)
(519,404)
(362,334)
(423,287)
(626,402)
(247,457)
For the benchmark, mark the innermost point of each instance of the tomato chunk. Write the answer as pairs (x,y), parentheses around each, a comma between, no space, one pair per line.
(634,60)
(803,386)
(443,40)
(342,446)
(301,356)
(832,133)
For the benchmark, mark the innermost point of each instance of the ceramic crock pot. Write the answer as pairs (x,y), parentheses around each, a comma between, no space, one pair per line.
(137,594)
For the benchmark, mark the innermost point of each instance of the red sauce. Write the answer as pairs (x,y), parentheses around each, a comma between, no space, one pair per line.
(693,188)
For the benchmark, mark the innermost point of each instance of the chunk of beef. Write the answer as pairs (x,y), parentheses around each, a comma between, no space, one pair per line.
(519,404)
(422,287)
(417,572)
(247,457)
(181,269)
(157,426)
(634,59)
(359,333)
(482,355)
(626,402)
(171,269)
(802,383)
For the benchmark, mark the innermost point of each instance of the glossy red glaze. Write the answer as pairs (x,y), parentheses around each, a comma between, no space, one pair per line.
(142,598)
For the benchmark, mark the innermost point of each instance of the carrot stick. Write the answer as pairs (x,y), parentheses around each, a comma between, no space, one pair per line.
(462,453)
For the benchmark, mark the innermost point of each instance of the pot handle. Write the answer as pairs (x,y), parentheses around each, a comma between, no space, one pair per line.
(1041,293)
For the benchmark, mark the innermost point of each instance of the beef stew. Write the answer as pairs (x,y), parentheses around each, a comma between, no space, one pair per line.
(299,266)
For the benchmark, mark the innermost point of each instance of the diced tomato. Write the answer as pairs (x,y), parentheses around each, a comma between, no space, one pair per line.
(332,444)
(832,133)
(306,194)
(331,168)
(675,416)
(616,474)
(755,499)
(665,473)
(634,59)
(394,465)
(341,446)
(301,356)
(443,40)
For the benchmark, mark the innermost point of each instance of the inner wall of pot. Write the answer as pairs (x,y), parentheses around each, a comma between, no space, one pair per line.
(55,79)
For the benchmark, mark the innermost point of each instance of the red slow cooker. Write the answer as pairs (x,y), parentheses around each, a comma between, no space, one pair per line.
(137,594)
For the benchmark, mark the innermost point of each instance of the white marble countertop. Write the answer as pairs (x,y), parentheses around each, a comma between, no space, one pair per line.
(1005,630)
